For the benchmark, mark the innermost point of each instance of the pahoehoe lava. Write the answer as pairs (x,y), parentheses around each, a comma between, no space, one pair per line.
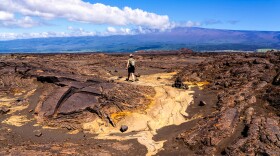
(185,103)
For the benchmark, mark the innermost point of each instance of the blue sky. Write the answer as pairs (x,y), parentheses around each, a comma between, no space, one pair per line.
(39,18)
(247,14)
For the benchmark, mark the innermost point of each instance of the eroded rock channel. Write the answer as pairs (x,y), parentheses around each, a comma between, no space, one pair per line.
(183,104)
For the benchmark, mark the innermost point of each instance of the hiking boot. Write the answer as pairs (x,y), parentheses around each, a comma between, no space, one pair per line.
(126,79)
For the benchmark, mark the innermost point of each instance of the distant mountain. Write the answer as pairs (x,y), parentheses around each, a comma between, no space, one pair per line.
(198,39)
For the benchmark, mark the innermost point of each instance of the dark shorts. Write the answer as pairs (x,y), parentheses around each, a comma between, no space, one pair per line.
(131,69)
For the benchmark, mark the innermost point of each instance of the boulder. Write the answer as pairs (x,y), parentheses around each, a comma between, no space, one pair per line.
(179,84)
(123,128)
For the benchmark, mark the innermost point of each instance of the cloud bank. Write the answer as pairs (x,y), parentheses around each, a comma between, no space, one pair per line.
(119,21)
(75,32)
(78,10)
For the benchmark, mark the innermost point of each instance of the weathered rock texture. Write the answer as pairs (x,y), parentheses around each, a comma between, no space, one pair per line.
(65,90)
(245,123)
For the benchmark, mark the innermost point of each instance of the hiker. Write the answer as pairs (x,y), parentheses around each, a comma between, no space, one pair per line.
(130,66)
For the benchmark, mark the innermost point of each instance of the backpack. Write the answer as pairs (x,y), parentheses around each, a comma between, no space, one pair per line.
(132,62)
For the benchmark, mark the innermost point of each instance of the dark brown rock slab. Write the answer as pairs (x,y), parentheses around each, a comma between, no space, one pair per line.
(226,121)
(74,84)
(52,102)
(78,102)
(95,89)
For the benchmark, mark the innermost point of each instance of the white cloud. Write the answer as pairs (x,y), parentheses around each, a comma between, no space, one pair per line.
(78,10)
(25,22)
(111,30)
(8,19)
(75,32)
(79,32)
(70,28)
(185,24)
(4,16)
(192,24)
(125,30)
(145,30)
(119,31)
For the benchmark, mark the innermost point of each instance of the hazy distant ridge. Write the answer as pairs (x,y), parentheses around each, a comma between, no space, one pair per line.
(194,38)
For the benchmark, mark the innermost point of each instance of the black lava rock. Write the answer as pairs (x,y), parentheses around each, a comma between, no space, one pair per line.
(123,128)
(179,84)
(276,80)
(202,103)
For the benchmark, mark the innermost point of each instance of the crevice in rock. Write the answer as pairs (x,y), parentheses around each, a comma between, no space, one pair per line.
(64,97)
(87,92)
(48,79)
(245,131)
(95,110)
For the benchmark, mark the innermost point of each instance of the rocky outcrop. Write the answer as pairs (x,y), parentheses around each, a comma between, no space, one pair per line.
(244,84)
(100,97)
(70,89)
(262,138)
(75,87)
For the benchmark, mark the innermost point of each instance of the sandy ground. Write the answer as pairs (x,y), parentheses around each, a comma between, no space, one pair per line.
(167,108)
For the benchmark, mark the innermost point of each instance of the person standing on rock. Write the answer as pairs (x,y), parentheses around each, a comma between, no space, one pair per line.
(130,66)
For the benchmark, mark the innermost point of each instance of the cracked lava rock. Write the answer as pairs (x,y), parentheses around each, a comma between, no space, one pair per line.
(240,115)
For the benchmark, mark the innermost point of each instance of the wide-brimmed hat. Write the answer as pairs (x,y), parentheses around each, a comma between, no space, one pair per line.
(130,55)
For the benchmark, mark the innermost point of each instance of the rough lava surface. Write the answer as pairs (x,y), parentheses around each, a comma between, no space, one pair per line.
(46,99)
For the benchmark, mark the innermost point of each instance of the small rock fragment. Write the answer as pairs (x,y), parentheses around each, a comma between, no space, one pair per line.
(137,75)
(202,103)
(251,99)
(38,133)
(69,128)
(2,138)
(261,85)
(276,80)
(249,112)
(4,110)
(123,128)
